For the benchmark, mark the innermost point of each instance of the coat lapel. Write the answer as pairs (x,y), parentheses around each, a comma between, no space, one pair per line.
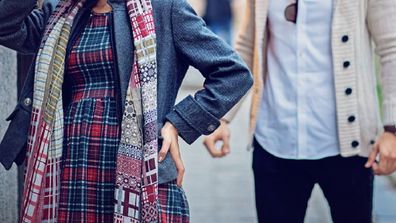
(124,49)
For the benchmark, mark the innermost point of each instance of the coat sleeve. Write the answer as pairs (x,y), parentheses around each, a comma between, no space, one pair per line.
(22,23)
(227,78)
(381,20)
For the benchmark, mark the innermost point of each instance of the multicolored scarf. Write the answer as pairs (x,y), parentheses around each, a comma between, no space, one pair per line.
(136,186)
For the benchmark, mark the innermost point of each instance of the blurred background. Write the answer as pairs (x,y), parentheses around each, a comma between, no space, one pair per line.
(219,190)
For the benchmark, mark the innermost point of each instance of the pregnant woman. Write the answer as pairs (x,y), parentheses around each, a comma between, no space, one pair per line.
(96,123)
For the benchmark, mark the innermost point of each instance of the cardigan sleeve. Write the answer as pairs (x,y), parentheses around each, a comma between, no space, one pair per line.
(245,47)
(22,23)
(381,21)
(227,78)
(246,35)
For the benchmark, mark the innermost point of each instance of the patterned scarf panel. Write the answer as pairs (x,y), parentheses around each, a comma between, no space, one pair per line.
(136,190)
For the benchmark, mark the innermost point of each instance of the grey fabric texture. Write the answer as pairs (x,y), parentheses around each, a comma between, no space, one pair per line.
(182,40)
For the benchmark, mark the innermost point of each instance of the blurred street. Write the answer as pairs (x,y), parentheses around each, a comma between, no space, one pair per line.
(222,190)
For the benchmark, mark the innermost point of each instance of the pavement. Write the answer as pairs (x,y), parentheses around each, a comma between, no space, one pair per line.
(222,190)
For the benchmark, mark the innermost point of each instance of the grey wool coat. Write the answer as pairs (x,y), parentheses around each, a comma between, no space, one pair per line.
(182,40)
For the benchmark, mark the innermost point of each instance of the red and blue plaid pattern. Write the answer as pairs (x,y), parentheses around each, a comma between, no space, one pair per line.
(78,162)
(91,128)
(173,205)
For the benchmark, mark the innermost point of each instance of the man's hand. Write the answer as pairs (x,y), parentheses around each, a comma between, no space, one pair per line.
(221,134)
(171,144)
(385,149)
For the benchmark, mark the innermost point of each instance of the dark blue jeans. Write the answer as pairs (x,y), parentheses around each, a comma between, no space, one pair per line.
(283,187)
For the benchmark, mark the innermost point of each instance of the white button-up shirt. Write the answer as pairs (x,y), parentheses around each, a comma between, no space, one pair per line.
(297,117)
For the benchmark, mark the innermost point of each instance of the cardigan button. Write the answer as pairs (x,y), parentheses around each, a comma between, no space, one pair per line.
(345,38)
(351,118)
(347,64)
(355,144)
(27,101)
(348,91)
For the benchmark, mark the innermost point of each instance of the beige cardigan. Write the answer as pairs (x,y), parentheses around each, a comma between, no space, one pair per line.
(365,22)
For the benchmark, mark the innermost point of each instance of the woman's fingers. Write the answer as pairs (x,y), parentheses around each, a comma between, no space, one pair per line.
(164,149)
(171,144)
(175,154)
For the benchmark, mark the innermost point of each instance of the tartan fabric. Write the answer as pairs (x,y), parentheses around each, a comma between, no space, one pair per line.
(173,205)
(91,128)
(41,191)
(136,192)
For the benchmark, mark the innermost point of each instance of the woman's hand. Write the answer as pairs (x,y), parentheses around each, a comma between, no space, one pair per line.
(171,144)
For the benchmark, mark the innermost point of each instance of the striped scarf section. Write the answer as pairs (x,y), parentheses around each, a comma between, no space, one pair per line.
(136,186)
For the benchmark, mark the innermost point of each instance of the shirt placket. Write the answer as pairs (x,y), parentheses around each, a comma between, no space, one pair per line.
(300,81)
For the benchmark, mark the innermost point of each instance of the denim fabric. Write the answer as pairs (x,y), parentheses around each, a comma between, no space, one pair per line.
(182,40)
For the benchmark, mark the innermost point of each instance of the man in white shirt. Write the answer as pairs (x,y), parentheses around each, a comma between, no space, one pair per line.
(314,111)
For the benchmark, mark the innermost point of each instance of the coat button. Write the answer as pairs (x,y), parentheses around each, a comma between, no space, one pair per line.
(346,64)
(351,118)
(211,128)
(348,91)
(355,144)
(345,38)
(27,101)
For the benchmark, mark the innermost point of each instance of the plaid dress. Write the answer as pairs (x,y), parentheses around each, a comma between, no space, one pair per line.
(92,134)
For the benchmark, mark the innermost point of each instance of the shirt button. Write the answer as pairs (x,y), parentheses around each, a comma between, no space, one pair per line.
(345,38)
(351,118)
(27,101)
(348,91)
(211,128)
(346,64)
(355,144)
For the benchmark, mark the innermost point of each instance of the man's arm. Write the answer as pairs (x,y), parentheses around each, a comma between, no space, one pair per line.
(381,20)
(245,47)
